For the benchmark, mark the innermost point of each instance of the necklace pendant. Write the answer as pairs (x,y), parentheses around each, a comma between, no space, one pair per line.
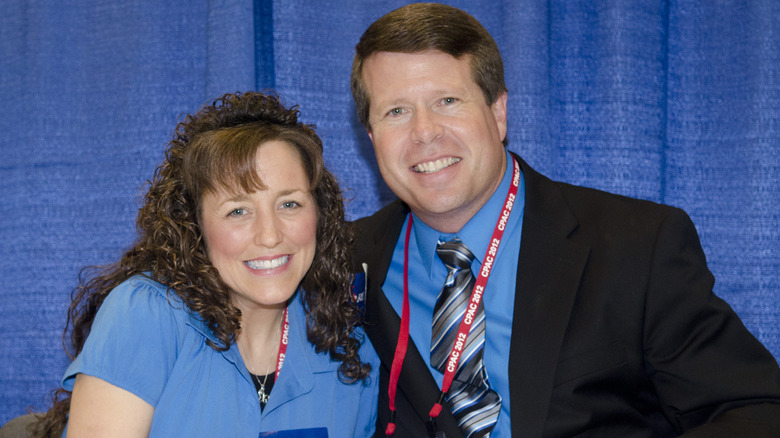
(261,395)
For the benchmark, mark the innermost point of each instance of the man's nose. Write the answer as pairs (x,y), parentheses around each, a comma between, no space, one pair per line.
(426,126)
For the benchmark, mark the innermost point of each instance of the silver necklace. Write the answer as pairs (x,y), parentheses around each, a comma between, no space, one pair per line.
(261,394)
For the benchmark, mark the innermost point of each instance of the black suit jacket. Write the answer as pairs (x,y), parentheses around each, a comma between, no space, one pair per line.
(616,332)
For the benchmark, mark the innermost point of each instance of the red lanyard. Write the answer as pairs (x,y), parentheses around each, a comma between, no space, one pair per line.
(283,343)
(468,317)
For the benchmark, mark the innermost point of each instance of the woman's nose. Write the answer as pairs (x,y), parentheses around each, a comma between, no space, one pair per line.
(267,231)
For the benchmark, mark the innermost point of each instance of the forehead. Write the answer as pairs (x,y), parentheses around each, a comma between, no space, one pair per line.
(389,72)
(275,162)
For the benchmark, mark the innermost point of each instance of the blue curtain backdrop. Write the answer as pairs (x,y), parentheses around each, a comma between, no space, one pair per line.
(676,102)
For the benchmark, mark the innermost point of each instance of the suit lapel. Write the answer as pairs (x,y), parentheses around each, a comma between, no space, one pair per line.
(384,322)
(416,382)
(548,276)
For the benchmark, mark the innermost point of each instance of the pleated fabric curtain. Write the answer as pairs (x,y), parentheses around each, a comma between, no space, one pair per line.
(676,102)
(91,91)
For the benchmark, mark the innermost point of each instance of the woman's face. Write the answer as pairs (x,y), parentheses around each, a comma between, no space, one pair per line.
(263,242)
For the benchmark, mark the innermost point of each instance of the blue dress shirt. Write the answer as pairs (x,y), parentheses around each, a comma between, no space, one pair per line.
(427,274)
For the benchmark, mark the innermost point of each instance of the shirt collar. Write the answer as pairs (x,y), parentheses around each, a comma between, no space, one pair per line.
(311,363)
(475,235)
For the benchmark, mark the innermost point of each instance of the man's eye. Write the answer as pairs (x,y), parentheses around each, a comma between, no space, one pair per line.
(449,100)
(396,112)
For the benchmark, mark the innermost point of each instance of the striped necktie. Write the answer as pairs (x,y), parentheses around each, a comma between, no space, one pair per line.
(470,398)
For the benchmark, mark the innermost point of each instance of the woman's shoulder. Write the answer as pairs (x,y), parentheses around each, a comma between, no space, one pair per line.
(141,282)
(139,322)
(142,286)
(143,298)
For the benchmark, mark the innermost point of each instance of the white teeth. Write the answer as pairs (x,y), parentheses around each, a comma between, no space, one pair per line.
(267,264)
(435,166)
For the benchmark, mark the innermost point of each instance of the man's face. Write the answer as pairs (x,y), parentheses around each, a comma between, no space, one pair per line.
(438,144)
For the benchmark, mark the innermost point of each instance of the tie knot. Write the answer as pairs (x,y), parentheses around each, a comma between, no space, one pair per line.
(455,254)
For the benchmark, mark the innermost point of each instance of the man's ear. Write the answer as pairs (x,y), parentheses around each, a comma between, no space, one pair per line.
(499,112)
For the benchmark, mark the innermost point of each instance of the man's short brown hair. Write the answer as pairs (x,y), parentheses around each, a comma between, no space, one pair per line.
(420,27)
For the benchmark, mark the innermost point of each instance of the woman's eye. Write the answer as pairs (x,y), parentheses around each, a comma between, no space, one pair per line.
(290,204)
(396,112)
(237,212)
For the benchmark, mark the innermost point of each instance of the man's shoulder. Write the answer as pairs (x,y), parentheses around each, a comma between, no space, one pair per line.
(376,233)
(590,209)
(586,201)
(392,213)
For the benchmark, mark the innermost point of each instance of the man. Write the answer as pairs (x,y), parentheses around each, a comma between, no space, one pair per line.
(598,318)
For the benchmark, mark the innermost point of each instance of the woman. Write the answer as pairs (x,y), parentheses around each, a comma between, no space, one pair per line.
(232,315)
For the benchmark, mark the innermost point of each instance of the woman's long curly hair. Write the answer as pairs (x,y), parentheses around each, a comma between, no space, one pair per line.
(216,149)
